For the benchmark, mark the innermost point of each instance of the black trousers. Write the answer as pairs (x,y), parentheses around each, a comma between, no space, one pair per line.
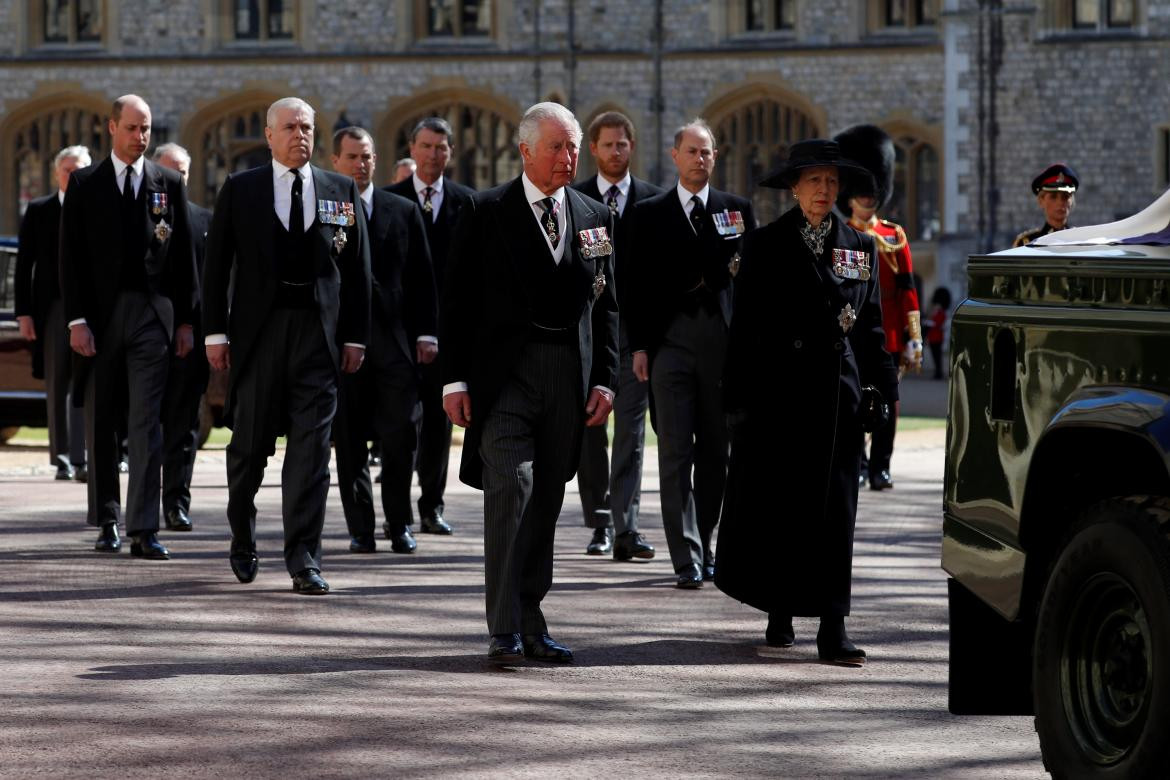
(289,386)
(127,377)
(66,419)
(186,382)
(526,453)
(379,401)
(434,443)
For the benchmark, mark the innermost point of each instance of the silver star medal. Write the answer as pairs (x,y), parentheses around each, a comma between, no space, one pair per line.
(339,240)
(847,317)
(733,266)
(162,231)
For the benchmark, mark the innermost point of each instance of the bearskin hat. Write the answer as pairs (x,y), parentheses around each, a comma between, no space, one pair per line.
(873,148)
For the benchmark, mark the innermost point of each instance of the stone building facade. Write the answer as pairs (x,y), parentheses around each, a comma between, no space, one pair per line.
(979,94)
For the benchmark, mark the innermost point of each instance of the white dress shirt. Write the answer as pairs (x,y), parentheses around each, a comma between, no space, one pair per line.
(420,188)
(684,197)
(603,185)
(535,196)
(136,169)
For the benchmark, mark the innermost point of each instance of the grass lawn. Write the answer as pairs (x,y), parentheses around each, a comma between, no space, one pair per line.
(220,436)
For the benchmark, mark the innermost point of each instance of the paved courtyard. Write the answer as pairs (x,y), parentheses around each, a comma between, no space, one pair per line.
(130,669)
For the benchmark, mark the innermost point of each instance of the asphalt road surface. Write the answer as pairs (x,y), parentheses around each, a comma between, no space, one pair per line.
(123,668)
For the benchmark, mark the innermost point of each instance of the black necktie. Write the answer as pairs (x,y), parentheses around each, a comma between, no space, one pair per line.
(548,221)
(128,188)
(296,210)
(427,206)
(698,214)
(611,196)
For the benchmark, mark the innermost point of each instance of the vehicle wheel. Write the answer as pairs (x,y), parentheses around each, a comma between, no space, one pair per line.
(1101,660)
(206,418)
(8,433)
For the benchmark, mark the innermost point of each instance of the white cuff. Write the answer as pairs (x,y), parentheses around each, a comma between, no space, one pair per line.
(605,389)
(454,387)
(359,346)
(428,340)
(80,321)
(214,339)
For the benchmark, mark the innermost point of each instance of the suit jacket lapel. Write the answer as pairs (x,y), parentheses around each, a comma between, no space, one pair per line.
(322,233)
(522,224)
(152,181)
(106,189)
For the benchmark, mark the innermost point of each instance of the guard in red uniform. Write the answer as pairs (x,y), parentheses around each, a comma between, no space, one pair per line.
(873,148)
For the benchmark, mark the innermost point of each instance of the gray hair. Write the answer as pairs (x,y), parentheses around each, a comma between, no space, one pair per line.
(529,130)
(80,153)
(288,102)
(171,150)
(436,124)
(698,123)
(408,162)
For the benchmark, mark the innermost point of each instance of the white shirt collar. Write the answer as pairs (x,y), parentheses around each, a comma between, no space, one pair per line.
(280,169)
(685,195)
(420,185)
(120,166)
(61,197)
(367,195)
(533,193)
(603,184)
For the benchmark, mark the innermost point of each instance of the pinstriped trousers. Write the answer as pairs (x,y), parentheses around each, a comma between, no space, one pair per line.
(531,439)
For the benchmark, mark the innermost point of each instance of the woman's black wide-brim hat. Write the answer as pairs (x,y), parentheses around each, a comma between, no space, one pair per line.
(816,153)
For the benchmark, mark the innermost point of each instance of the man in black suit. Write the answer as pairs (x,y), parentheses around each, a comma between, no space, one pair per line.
(41,319)
(186,376)
(128,282)
(289,241)
(381,399)
(528,330)
(440,199)
(610,499)
(686,244)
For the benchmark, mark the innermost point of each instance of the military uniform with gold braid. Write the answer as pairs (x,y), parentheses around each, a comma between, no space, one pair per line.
(874,149)
(1057,177)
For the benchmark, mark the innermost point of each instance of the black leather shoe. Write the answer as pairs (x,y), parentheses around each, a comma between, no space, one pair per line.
(779,633)
(308,582)
(833,644)
(245,565)
(146,545)
(708,565)
(690,579)
(880,481)
(80,474)
(64,470)
(505,649)
(542,647)
(435,525)
(177,520)
(108,541)
(401,539)
(631,544)
(362,544)
(601,543)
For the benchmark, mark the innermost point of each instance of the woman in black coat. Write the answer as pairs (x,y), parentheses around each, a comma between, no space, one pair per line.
(807,312)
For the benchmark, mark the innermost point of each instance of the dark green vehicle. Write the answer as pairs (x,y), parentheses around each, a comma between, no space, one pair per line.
(1056,530)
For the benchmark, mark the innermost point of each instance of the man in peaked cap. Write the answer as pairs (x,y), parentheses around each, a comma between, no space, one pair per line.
(873,149)
(1055,190)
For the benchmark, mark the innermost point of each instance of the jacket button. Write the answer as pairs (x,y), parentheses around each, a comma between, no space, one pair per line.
(798,344)
(837,345)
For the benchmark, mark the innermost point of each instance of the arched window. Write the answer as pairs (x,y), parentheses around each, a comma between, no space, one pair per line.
(232,142)
(752,139)
(31,143)
(917,178)
(484,141)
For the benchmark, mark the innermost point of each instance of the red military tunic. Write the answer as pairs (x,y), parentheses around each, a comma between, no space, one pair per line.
(896,279)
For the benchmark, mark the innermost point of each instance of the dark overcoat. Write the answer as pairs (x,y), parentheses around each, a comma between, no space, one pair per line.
(792,385)
(487,303)
(37,272)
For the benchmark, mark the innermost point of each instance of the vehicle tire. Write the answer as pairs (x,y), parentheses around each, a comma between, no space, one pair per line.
(1101,660)
(8,433)
(206,418)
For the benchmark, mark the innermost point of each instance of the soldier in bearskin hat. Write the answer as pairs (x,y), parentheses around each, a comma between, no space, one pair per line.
(872,148)
(1056,192)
